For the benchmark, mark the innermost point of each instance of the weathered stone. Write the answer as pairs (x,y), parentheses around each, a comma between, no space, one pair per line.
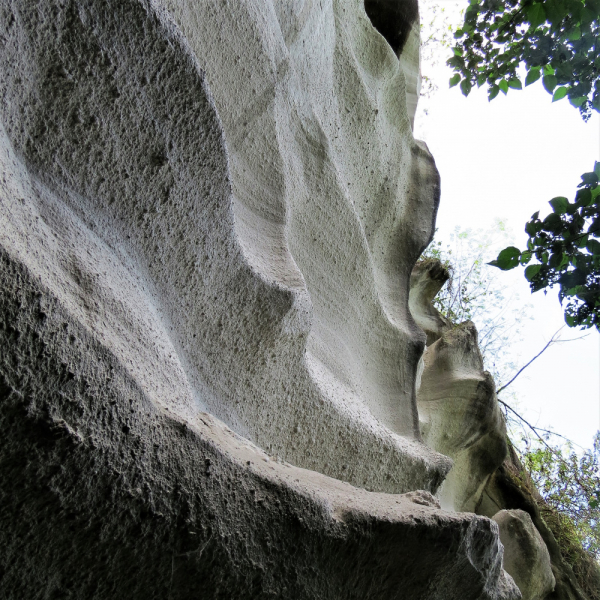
(509,487)
(460,415)
(426,280)
(209,213)
(278,254)
(526,557)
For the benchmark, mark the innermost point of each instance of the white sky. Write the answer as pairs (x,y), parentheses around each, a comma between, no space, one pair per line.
(506,159)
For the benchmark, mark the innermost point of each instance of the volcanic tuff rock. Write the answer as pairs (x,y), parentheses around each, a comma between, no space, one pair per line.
(460,415)
(209,213)
(458,409)
(526,557)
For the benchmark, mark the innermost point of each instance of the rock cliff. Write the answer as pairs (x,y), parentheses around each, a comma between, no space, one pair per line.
(209,216)
(460,417)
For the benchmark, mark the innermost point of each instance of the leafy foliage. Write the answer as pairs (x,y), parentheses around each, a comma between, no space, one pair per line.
(473,294)
(438,24)
(569,489)
(570,484)
(556,40)
(563,250)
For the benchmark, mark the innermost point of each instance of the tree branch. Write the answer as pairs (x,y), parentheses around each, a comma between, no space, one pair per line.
(550,448)
(552,340)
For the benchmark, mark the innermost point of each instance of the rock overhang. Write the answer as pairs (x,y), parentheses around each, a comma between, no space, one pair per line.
(211,230)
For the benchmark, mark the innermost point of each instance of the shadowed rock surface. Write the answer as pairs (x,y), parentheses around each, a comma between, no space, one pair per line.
(209,213)
(460,417)
(509,488)
(459,412)
(526,556)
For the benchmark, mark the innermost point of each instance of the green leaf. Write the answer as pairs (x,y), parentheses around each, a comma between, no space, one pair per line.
(589,178)
(457,51)
(548,70)
(556,259)
(574,34)
(572,279)
(583,197)
(553,223)
(570,320)
(593,246)
(515,83)
(559,93)
(503,85)
(507,259)
(481,79)
(577,102)
(531,271)
(536,14)
(465,87)
(493,92)
(533,75)
(559,205)
(525,257)
(454,80)
(549,82)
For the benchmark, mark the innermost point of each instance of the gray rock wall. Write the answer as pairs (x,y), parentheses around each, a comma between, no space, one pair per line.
(460,417)
(209,213)
(274,219)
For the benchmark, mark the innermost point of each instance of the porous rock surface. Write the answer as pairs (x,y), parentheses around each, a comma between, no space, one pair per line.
(458,408)
(209,213)
(460,416)
(526,557)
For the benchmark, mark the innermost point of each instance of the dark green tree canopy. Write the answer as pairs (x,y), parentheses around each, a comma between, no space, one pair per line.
(563,250)
(556,40)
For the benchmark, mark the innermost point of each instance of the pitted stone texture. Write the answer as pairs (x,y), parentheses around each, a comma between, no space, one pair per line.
(269,246)
(458,408)
(167,252)
(460,415)
(399,24)
(426,280)
(113,495)
(526,557)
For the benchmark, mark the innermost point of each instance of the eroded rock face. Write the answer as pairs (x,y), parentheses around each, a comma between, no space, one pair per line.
(460,417)
(526,557)
(209,213)
(276,239)
(426,280)
(459,412)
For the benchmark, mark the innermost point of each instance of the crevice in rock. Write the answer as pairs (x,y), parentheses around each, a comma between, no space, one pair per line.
(393,19)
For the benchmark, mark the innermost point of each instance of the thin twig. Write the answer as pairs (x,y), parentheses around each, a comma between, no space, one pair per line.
(552,340)
(536,428)
(550,448)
